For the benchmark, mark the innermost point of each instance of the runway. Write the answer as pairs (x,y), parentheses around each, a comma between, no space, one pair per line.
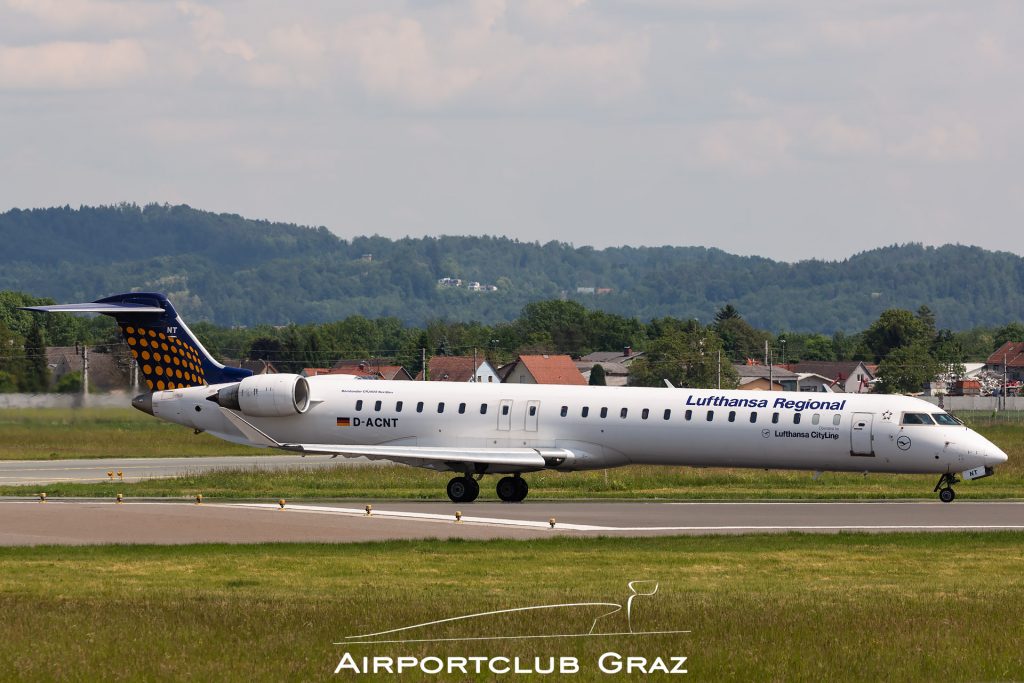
(14,472)
(78,522)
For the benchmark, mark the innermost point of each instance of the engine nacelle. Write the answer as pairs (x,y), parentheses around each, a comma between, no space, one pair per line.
(266,396)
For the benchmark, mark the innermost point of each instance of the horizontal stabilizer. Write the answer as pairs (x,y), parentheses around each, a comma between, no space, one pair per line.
(95,308)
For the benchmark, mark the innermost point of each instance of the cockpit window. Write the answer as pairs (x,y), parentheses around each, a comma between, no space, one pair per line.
(946,419)
(917,419)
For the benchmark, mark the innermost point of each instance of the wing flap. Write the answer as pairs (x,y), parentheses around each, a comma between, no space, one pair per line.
(515,457)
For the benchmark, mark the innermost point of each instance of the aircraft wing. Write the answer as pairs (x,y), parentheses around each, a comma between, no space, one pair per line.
(413,455)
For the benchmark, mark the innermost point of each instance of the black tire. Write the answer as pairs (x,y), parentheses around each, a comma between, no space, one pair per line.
(472,490)
(459,489)
(507,488)
(522,488)
(947,495)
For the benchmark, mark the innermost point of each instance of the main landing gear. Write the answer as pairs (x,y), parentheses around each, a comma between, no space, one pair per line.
(512,489)
(465,489)
(945,487)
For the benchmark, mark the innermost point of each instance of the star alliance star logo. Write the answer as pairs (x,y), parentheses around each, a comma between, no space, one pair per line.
(887,415)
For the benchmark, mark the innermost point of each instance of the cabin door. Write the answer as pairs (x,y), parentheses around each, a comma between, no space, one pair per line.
(505,415)
(532,415)
(860,435)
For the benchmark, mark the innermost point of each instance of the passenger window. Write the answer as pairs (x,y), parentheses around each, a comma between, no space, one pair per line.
(565,411)
(398,407)
(711,415)
(732,416)
(377,405)
(504,410)
(916,419)
(622,413)
(462,409)
(419,407)
(644,414)
(796,418)
(687,415)
(359,404)
(440,407)
(604,412)
(816,418)
(836,419)
(753,417)
(533,410)
(585,411)
(775,418)
(668,413)
(483,408)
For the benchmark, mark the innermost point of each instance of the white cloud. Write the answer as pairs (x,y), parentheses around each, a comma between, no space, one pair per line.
(746,146)
(209,26)
(72,65)
(956,141)
(834,136)
(64,15)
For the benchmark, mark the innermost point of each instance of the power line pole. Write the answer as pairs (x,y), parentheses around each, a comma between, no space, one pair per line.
(423,361)
(475,365)
(1003,392)
(719,368)
(85,371)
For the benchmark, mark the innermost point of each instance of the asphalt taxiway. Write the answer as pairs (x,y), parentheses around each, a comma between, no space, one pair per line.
(77,522)
(18,472)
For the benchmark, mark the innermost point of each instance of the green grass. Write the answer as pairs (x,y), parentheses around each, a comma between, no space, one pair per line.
(61,433)
(128,433)
(843,607)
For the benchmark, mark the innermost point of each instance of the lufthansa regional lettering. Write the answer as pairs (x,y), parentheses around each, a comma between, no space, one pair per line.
(779,404)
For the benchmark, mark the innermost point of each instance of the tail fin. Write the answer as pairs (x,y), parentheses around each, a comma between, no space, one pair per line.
(168,354)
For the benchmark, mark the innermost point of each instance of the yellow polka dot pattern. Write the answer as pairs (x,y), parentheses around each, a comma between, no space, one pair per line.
(166,362)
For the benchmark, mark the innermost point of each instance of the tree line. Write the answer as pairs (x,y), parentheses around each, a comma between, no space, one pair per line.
(908,346)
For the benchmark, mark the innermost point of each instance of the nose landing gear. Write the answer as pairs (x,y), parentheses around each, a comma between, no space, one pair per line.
(945,487)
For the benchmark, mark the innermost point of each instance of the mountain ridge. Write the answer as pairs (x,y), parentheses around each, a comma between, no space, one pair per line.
(237,271)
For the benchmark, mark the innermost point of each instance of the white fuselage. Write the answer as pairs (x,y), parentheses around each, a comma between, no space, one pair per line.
(613,426)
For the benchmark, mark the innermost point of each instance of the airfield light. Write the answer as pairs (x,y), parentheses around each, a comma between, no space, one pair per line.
(120,475)
(110,473)
(120,498)
(369,509)
(281,504)
(552,522)
(199,499)
(42,497)
(458,516)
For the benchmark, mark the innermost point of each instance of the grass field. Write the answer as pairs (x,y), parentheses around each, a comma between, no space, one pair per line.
(845,607)
(61,433)
(128,433)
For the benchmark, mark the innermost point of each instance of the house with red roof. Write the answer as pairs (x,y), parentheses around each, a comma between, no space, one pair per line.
(459,369)
(543,369)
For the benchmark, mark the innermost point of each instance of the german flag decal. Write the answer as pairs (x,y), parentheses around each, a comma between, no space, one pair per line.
(344,422)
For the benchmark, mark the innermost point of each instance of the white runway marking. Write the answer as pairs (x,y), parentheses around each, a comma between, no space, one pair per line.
(563,526)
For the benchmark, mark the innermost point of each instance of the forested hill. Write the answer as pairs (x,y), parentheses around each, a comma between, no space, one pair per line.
(235,271)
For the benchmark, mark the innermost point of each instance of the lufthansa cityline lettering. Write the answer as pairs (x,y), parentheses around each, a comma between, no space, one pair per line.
(779,404)
(607,663)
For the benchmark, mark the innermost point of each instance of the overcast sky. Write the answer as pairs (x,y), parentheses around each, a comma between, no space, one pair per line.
(791,129)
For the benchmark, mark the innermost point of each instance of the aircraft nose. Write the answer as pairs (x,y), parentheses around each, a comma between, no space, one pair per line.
(999,457)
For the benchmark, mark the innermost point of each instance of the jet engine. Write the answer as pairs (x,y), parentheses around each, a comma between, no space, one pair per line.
(266,396)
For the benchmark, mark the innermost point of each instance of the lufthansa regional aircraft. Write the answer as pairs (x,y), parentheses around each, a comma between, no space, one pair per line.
(509,429)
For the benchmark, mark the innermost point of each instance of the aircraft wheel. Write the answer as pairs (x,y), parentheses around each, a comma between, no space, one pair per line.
(463,490)
(507,489)
(522,488)
(947,495)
